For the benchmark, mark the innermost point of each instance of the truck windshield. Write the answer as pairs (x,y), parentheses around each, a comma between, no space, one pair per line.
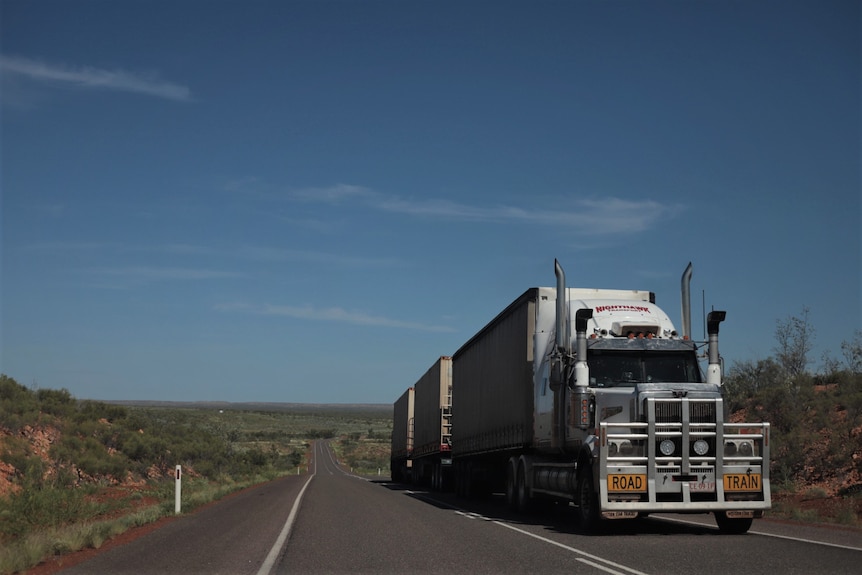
(620,368)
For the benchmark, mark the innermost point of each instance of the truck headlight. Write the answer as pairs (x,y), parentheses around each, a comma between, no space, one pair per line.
(743,448)
(701,447)
(666,447)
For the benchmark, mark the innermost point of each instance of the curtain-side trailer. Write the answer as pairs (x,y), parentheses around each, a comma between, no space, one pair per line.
(432,457)
(400,463)
(591,396)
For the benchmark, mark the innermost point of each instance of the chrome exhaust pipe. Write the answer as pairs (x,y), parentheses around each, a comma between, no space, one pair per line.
(563,337)
(713,371)
(686,302)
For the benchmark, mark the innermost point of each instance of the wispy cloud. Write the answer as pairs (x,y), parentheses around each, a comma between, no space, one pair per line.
(333,314)
(260,253)
(336,194)
(273,254)
(94,78)
(247,253)
(148,274)
(608,215)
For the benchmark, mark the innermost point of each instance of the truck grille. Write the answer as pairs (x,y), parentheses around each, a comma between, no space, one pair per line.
(668,412)
(671,411)
(702,412)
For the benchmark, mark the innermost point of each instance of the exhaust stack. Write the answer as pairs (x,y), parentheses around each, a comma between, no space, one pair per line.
(686,302)
(563,339)
(582,370)
(713,371)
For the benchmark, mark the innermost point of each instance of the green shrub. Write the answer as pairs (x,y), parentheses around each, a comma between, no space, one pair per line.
(18,405)
(58,402)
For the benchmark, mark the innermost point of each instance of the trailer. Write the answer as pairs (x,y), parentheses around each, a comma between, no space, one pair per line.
(432,452)
(400,464)
(617,418)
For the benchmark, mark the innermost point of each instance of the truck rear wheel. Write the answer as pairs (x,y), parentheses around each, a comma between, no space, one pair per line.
(522,494)
(464,480)
(732,525)
(588,502)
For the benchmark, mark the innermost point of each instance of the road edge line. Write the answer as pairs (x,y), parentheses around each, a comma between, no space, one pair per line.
(269,562)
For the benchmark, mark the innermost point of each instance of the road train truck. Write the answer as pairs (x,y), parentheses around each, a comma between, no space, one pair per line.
(432,431)
(592,397)
(400,464)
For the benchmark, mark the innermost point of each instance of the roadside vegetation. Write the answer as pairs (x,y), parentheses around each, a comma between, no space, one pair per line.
(365,454)
(75,473)
(816,423)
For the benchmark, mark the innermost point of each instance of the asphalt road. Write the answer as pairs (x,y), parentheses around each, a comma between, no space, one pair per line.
(333,522)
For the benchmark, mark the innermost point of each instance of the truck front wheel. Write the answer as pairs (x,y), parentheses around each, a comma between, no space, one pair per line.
(588,502)
(732,525)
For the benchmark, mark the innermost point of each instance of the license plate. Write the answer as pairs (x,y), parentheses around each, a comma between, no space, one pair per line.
(619,514)
(742,482)
(740,514)
(702,487)
(627,482)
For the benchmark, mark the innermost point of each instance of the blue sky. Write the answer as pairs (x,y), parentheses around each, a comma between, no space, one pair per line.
(312,201)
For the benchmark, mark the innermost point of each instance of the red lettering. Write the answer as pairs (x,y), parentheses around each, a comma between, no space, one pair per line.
(635,308)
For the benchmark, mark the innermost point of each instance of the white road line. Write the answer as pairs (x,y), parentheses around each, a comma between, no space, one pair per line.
(269,562)
(765,534)
(324,448)
(597,566)
(806,540)
(620,569)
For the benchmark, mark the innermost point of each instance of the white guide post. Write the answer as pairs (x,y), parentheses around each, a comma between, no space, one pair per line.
(179,489)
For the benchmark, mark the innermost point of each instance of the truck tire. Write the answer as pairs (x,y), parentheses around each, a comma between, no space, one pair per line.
(459,480)
(522,494)
(464,480)
(732,525)
(511,486)
(588,501)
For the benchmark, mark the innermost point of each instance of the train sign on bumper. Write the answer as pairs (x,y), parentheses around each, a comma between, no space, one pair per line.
(742,482)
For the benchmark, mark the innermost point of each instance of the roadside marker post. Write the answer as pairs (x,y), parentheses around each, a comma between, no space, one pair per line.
(179,490)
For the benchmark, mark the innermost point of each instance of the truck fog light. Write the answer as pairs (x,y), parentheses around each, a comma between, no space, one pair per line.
(701,447)
(612,449)
(626,447)
(666,447)
(730,448)
(745,449)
